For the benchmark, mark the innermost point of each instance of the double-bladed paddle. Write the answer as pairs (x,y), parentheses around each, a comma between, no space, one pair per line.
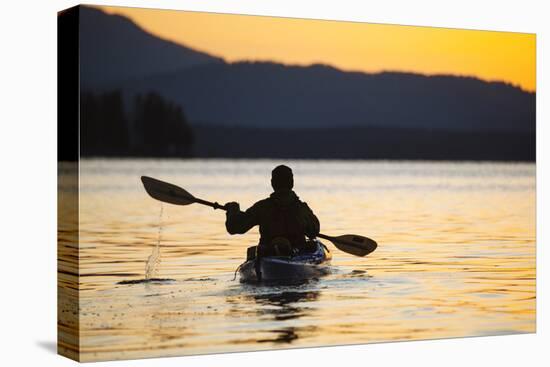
(169,193)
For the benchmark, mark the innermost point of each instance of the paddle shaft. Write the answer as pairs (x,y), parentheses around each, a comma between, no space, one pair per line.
(330,238)
(216,205)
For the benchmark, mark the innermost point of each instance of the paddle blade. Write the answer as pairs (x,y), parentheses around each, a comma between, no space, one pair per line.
(354,244)
(166,192)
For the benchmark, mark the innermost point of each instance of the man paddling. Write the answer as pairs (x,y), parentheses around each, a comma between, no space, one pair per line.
(284,220)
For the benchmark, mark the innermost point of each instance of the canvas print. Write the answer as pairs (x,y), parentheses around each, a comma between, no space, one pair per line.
(242,183)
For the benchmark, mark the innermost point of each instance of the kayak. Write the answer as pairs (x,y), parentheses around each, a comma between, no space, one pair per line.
(302,266)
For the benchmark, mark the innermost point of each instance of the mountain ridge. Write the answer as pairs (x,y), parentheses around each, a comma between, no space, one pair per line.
(113,48)
(265,94)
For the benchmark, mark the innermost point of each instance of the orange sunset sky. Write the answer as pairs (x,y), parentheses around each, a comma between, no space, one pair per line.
(502,56)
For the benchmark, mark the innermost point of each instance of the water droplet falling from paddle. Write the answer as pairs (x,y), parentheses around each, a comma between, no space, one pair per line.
(153,262)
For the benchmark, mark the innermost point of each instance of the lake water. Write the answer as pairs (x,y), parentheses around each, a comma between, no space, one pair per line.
(456,257)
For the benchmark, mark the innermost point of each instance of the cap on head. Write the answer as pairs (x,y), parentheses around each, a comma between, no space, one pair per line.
(282,178)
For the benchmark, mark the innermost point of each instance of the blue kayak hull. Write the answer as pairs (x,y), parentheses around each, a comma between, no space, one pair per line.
(296,268)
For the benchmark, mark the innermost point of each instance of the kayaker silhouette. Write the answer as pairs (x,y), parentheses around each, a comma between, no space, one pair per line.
(284,223)
(284,219)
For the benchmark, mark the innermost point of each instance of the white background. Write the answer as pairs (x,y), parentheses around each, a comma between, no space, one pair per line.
(28,182)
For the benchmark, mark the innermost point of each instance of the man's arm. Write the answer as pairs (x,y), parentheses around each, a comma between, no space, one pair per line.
(238,222)
(311,223)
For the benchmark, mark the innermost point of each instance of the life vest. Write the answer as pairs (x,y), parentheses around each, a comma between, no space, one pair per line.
(283,219)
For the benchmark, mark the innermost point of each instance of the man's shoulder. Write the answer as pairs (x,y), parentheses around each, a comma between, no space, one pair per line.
(261,204)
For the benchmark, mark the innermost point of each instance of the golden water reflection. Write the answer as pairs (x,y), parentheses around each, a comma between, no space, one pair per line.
(456,257)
